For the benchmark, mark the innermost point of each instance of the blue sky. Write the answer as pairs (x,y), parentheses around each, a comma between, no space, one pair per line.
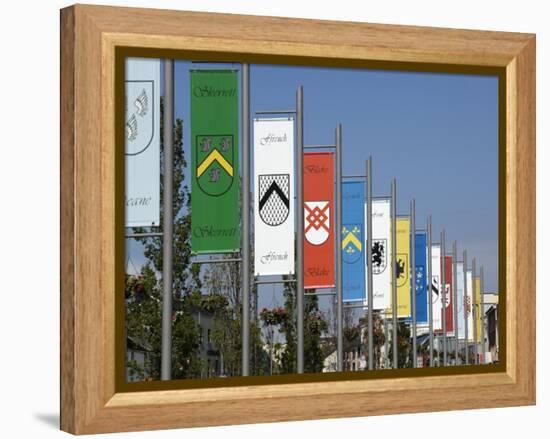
(436,133)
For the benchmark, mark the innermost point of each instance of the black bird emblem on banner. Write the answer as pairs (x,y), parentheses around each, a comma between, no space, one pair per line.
(274,198)
(402,269)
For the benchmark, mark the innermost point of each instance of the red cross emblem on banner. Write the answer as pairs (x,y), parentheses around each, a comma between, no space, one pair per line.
(317,221)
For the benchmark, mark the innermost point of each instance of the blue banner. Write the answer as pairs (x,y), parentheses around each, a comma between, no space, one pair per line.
(421,285)
(353,237)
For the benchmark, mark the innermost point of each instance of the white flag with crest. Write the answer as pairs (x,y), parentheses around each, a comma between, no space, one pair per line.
(437,303)
(274,196)
(381,246)
(142,142)
(460,298)
(470,302)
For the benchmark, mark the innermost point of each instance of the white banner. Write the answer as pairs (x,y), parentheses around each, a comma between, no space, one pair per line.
(470,301)
(381,246)
(436,288)
(274,196)
(142,142)
(459,282)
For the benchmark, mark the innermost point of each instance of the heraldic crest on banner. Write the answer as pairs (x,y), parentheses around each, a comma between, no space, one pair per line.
(402,269)
(317,221)
(214,163)
(435,288)
(274,198)
(352,237)
(379,256)
(140,117)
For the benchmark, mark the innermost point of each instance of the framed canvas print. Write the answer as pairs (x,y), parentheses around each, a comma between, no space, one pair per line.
(268,219)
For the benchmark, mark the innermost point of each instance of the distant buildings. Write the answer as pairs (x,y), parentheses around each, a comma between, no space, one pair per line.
(491,320)
(490,302)
(208,352)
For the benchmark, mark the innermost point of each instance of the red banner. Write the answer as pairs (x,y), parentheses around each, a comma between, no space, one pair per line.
(318,220)
(449,294)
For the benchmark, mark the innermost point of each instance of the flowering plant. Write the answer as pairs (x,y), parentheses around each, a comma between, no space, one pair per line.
(275,316)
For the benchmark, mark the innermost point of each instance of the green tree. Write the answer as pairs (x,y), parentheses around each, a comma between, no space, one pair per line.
(224,280)
(144,308)
(271,320)
(378,337)
(404,347)
(315,324)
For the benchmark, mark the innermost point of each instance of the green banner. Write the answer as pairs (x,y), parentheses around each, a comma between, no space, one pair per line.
(214,161)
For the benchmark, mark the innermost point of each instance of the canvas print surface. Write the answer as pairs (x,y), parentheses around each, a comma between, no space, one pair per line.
(256,240)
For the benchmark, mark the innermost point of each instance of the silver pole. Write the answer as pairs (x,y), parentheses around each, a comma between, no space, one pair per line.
(245,222)
(338,228)
(443,297)
(386,343)
(393,271)
(474,310)
(368,242)
(465,265)
(482,311)
(455,301)
(413,278)
(167,221)
(300,228)
(430,300)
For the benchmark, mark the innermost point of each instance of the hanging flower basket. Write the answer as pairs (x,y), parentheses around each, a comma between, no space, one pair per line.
(272,317)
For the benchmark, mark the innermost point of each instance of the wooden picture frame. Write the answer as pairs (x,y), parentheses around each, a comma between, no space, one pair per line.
(90,38)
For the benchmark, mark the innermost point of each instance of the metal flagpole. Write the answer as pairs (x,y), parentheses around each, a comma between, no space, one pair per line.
(474,310)
(386,343)
(369,241)
(413,278)
(338,229)
(443,297)
(430,300)
(168,221)
(482,311)
(465,268)
(300,227)
(455,301)
(393,271)
(245,222)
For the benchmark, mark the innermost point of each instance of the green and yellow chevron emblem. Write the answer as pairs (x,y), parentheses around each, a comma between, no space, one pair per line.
(215,166)
(215,156)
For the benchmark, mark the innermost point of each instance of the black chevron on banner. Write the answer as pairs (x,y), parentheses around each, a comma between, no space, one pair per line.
(435,288)
(274,188)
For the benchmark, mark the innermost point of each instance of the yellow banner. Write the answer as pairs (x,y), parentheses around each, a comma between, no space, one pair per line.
(479,311)
(403,267)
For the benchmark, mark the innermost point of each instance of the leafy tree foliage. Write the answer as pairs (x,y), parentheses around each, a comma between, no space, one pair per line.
(144,298)
(378,337)
(315,324)
(404,351)
(224,280)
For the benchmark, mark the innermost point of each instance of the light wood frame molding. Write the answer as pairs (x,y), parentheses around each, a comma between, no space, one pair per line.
(89,38)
